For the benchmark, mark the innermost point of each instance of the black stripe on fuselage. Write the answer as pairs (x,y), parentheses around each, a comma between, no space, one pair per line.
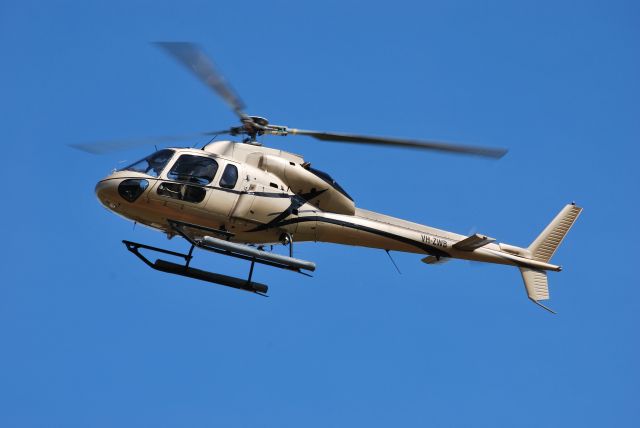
(427,248)
(296,202)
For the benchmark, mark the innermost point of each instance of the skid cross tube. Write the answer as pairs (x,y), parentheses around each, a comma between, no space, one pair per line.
(290,239)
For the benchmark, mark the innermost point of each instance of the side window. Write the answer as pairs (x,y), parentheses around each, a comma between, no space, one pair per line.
(229,177)
(182,192)
(194,169)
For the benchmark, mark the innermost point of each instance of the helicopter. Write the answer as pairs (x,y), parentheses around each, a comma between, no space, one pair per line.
(236,198)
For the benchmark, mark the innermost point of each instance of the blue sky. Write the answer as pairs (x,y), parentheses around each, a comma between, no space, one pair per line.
(91,337)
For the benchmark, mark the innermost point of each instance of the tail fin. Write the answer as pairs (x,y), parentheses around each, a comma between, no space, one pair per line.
(546,244)
(543,248)
(535,281)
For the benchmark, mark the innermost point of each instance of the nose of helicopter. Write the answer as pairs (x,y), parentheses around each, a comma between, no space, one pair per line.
(114,191)
(107,193)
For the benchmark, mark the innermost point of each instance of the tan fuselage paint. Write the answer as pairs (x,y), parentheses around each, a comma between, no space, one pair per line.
(253,209)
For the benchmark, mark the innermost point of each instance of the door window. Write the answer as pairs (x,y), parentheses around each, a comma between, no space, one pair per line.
(193,169)
(182,192)
(229,177)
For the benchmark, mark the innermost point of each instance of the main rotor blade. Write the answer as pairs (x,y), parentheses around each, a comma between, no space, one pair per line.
(196,61)
(490,152)
(103,147)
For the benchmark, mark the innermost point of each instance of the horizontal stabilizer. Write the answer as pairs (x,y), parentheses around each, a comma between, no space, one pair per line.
(473,242)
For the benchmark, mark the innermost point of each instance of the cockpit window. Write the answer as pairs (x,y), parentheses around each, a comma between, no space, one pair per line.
(152,164)
(330,181)
(194,169)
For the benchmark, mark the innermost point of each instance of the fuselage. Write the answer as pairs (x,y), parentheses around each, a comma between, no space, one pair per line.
(260,195)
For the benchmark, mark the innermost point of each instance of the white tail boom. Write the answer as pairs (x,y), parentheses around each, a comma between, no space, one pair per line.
(543,248)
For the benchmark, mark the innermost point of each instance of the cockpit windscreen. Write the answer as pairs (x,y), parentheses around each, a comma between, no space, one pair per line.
(152,164)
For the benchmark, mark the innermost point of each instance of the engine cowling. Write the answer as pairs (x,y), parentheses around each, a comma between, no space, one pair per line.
(304,182)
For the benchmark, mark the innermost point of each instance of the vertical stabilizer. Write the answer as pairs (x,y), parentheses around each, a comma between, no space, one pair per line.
(535,282)
(543,248)
(546,244)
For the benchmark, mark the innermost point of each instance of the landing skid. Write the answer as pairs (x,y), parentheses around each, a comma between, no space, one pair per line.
(219,246)
(187,271)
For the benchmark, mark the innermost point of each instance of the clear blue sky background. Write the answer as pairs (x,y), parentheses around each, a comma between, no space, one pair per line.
(91,337)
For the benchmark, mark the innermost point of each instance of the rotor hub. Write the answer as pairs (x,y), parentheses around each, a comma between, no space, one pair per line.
(259,120)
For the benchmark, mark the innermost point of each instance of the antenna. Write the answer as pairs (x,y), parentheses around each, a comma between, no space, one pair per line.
(393,261)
